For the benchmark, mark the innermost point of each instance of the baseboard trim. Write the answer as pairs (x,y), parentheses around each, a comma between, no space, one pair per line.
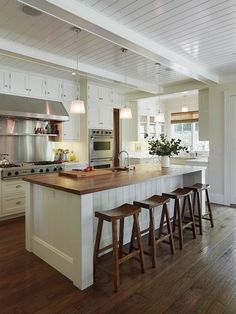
(217,198)
(54,257)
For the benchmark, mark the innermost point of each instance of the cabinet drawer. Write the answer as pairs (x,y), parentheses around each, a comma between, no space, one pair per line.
(12,205)
(10,188)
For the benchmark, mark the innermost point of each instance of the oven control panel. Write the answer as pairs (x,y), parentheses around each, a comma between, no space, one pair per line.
(99,132)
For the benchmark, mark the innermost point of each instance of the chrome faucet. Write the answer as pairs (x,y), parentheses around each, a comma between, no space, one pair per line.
(126,161)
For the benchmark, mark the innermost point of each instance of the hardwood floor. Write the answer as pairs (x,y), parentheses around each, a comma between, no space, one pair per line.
(199,279)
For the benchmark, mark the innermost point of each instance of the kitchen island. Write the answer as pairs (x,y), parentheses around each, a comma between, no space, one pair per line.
(60,223)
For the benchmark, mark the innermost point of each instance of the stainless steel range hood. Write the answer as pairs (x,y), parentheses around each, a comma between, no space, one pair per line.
(32,108)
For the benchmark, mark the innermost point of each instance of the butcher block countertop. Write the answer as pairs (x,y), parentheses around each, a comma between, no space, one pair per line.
(90,184)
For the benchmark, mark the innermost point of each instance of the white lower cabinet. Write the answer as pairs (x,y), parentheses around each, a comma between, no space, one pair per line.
(12,197)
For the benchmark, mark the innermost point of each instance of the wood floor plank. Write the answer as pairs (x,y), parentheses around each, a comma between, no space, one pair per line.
(201,278)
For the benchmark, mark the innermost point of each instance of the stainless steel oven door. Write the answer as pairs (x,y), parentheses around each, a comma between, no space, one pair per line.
(101,163)
(101,147)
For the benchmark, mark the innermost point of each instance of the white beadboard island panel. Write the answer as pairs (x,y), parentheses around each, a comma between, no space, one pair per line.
(61,228)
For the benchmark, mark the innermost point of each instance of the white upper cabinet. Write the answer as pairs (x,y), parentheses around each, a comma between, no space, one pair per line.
(27,85)
(36,86)
(68,91)
(19,84)
(101,95)
(5,81)
(53,89)
(100,116)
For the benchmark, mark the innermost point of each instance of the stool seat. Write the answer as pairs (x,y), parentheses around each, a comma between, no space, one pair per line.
(198,187)
(152,202)
(117,213)
(178,193)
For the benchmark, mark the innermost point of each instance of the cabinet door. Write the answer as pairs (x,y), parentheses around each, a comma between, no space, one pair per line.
(5,83)
(37,87)
(106,116)
(53,89)
(19,84)
(105,95)
(71,128)
(93,93)
(94,116)
(69,91)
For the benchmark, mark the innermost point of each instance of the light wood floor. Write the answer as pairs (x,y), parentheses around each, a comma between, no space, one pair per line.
(199,279)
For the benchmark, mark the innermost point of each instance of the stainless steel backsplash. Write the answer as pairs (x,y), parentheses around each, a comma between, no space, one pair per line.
(17,139)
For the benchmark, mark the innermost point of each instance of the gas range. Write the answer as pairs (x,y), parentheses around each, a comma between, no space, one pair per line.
(14,171)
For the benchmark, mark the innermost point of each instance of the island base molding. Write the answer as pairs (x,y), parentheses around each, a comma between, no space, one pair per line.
(61,227)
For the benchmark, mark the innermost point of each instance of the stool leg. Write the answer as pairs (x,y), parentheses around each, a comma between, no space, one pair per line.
(183,208)
(139,241)
(97,244)
(121,238)
(116,275)
(172,246)
(152,238)
(194,201)
(199,209)
(175,214)
(192,217)
(209,208)
(180,225)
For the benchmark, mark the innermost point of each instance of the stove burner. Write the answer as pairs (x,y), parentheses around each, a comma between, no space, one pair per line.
(9,166)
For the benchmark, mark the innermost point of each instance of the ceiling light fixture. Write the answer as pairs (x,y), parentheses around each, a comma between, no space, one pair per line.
(125,112)
(184,108)
(159,118)
(77,106)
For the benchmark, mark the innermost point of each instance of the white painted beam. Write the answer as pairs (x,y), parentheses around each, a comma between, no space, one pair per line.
(42,57)
(78,14)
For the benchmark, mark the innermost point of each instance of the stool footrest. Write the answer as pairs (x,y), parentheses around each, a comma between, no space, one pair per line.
(128,256)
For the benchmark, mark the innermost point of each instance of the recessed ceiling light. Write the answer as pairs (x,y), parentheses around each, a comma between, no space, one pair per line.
(30,11)
(73,73)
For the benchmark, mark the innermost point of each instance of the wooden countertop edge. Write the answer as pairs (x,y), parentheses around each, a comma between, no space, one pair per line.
(96,184)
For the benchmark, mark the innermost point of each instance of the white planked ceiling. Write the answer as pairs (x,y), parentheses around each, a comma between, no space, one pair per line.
(200,30)
(49,34)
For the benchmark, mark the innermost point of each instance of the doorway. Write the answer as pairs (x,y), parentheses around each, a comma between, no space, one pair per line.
(116,132)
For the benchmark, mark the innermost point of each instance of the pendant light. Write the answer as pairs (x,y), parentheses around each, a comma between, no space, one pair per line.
(77,106)
(125,112)
(160,118)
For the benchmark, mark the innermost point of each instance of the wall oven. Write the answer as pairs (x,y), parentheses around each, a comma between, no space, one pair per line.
(101,144)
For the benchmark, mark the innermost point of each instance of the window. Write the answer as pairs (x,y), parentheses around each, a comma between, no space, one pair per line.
(184,125)
(188,133)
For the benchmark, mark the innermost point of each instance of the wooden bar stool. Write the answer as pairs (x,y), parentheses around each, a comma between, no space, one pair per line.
(151,203)
(114,215)
(197,189)
(177,195)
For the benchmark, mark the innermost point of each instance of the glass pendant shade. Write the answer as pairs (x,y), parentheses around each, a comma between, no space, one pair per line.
(77,106)
(160,117)
(125,113)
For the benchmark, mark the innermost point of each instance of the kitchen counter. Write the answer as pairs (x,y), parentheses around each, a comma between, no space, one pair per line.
(60,223)
(112,180)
